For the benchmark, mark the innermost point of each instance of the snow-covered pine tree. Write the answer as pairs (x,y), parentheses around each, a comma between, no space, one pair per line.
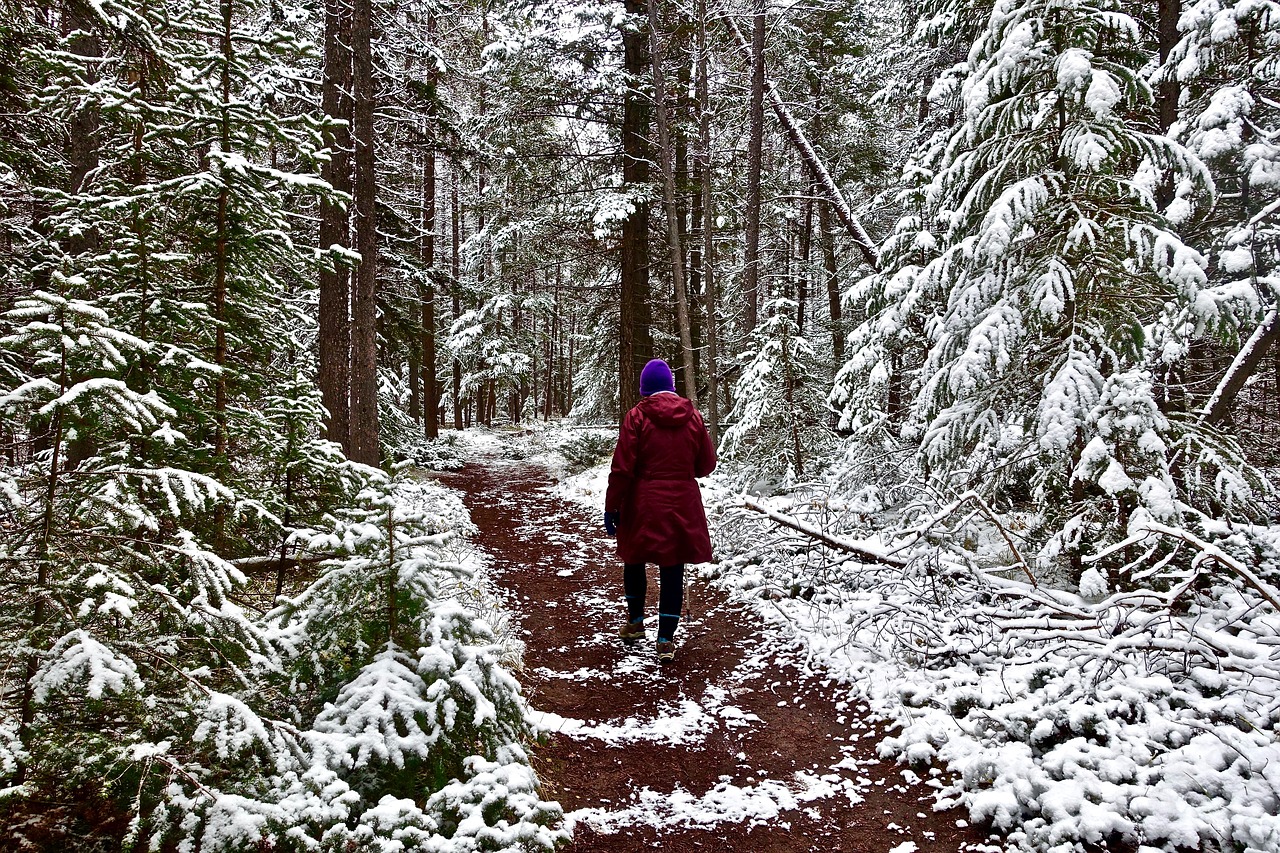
(406,727)
(777,420)
(1046,293)
(127,626)
(145,371)
(486,340)
(1228,67)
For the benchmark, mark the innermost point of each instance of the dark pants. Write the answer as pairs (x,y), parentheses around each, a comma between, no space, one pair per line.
(670,595)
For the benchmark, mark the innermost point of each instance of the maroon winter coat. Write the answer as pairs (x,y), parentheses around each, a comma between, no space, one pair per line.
(662,446)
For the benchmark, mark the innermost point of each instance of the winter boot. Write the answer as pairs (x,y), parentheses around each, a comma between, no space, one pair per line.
(666,651)
(632,630)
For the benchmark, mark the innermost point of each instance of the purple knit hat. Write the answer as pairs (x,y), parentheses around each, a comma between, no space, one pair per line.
(656,377)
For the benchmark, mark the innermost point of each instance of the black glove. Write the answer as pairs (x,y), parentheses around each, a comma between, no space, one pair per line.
(611,523)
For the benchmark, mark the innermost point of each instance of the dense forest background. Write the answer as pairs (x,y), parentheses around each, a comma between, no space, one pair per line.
(1022,256)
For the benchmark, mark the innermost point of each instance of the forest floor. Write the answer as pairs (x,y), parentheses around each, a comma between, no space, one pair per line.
(736,745)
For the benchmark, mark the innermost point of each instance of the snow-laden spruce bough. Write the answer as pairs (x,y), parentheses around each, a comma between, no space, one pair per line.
(1055,263)
(156,675)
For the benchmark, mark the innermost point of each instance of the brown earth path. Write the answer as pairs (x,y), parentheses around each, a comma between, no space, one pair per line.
(734,746)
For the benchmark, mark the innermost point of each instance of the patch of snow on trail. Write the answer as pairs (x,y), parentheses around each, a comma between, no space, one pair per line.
(725,803)
(685,726)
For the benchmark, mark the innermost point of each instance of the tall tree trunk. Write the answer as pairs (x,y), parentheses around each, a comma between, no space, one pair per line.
(220,271)
(708,228)
(82,129)
(82,159)
(415,398)
(686,196)
(455,270)
(755,156)
(569,366)
(673,215)
(364,303)
(1168,90)
(635,335)
(553,340)
(806,252)
(334,376)
(484,405)
(831,269)
(430,388)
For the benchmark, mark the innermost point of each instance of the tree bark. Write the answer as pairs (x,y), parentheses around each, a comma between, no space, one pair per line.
(833,282)
(708,229)
(220,273)
(334,319)
(635,335)
(806,252)
(1168,90)
(415,398)
(755,157)
(364,309)
(673,214)
(455,269)
(430,389)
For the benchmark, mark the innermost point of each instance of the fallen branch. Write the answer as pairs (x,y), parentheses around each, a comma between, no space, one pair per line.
(1211,552)
(985,509)
(868,551)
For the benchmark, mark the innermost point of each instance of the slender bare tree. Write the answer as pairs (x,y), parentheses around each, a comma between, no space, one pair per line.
(666,160)
(364,309)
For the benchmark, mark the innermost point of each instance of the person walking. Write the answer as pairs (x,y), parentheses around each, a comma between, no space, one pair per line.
(653,504)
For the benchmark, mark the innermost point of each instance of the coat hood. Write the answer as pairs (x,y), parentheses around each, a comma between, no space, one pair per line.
(666,410)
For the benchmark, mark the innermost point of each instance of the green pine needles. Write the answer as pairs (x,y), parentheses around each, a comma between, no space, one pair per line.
(1038,304)
(217,634)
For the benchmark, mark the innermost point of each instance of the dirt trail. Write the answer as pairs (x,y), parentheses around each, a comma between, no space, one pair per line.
(734,746)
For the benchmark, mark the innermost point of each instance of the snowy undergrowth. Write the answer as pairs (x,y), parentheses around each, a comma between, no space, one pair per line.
(379,713)
(422,746)
(1143,712)
(563,447)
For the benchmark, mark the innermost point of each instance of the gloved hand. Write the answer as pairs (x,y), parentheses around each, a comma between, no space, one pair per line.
(611,523)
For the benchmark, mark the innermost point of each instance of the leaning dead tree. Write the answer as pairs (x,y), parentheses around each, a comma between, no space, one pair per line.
(1244,365)
(805,149)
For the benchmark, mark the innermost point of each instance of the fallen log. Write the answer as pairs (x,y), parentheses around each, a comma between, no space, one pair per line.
(868,551)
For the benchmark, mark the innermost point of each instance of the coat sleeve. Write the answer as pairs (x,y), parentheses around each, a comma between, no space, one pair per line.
(623,469)
(704,460)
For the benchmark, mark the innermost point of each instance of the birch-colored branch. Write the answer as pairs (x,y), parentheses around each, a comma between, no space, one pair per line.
(868,551)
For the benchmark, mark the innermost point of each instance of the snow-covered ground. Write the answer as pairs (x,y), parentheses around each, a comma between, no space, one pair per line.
(741,734)
(1065,718)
